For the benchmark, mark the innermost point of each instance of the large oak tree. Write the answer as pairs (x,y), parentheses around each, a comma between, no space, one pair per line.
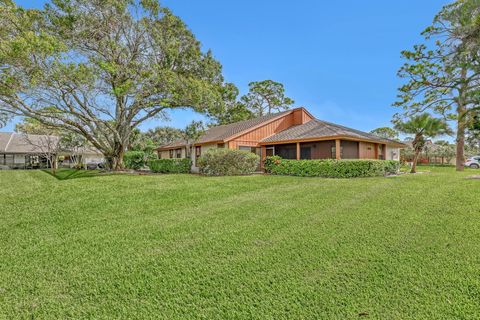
(101,68)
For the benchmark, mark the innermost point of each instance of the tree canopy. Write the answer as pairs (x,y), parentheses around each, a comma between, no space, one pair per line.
(385,132)
(443,73)
(101,68)
(265,97)
(422,126)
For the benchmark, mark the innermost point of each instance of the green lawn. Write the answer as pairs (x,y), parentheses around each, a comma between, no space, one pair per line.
(259,247)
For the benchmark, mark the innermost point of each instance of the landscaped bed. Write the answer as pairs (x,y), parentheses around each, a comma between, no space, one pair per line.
(261,247)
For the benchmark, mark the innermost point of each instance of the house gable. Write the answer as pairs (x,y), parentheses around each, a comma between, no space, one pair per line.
(254,135)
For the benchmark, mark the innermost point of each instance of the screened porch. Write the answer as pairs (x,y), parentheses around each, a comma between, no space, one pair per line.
(327,149)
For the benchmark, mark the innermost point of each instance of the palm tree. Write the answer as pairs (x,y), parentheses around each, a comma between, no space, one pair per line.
(422,126)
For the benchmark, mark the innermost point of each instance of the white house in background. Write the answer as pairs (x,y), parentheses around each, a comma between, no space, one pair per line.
(30,151)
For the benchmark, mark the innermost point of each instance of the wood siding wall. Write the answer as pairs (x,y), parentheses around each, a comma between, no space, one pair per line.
(367,150)
(253,137)
(300,117)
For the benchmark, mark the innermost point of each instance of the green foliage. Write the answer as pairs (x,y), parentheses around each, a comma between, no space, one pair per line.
(134,159)
(385,132)
(265,97)
(443,150)
(442,74)
(170,165)
(83,56)
(331,168)
(163,135)
(193,131)
(234,110)
(4,118)
(228,162)
(33,126)
(422,126)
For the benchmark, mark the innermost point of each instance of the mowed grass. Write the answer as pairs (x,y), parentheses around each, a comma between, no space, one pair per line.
(88,246)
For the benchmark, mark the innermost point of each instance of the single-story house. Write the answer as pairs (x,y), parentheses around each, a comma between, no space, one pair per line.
(30,151)
(292,134)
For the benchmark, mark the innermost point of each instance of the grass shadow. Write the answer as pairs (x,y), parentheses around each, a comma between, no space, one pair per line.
(69,174)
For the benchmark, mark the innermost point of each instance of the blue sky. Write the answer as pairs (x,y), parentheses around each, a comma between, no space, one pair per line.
(336,58)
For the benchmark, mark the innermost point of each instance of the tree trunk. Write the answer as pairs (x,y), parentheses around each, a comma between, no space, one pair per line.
(460,141)
(118,159)
(461,124)
(415,160)
(53,164)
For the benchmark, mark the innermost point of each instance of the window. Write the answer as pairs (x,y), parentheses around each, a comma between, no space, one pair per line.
(221,145)
(250,149)
(178,153)
(171,154)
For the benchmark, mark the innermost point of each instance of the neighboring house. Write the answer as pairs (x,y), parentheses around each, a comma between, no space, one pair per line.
(30,151)
(176,149)
(292,134)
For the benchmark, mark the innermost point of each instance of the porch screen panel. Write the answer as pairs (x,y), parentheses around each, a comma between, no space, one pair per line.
(321,149)
(349,149)
(286,151)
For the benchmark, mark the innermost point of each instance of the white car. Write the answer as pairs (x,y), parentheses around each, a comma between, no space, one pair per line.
(473,162)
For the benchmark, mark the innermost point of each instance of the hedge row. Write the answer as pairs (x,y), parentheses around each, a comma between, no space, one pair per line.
(170,165)
(331,168)
(228,162)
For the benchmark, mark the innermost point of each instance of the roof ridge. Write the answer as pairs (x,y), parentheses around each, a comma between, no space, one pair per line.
(9,140)
(352,129)
(255,118)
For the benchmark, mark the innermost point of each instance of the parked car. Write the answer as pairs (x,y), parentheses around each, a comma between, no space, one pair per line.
(473,162)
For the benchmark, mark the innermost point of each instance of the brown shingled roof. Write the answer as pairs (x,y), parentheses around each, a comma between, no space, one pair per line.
(175,144)
(321,129)
(220,133)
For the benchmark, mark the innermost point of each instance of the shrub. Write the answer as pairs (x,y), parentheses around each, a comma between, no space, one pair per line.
(170,165)
(392,166)
(134,159)
(228,162)
(331,168)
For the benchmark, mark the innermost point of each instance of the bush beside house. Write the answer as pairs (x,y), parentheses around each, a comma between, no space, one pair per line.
(331,168)
(170,165)
(228,162)
(134,160)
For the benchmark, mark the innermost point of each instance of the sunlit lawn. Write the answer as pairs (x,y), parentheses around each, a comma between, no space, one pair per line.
(260,247)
